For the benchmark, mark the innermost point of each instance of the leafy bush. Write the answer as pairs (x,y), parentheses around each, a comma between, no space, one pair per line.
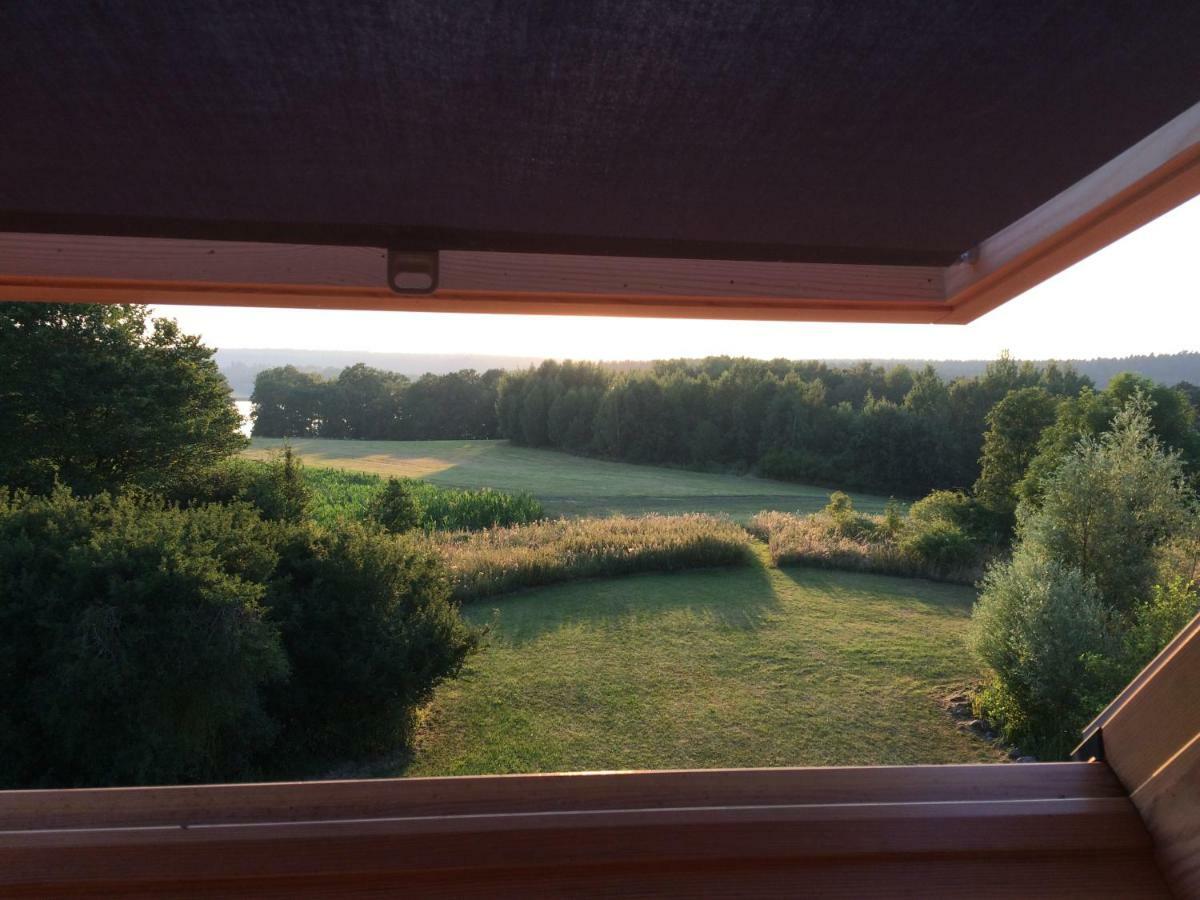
(154,643)
(492,562)
(369,631)
(1151,627)
(133,641)
(1036,625)
(944,547)
(278,488)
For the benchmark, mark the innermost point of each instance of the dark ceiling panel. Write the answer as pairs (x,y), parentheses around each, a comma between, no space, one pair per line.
(832,131)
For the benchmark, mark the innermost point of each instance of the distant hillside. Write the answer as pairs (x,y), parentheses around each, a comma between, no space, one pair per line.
(1167,368)
(241,366)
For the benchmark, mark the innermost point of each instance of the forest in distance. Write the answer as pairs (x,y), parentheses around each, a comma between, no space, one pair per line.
(241,366)
(894,431)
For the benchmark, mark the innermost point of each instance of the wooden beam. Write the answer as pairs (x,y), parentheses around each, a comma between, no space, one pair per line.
(225,803)
(86,268)
(936,830)
(1152,177)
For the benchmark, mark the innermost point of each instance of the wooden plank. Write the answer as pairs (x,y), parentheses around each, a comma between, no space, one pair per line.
(1119,876)
(84,268)
(1169,802)
(1157,174)
(1158,719)
(584,838)
(190,805)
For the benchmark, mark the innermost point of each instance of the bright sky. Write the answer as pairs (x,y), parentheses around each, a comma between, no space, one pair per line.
(1139,295)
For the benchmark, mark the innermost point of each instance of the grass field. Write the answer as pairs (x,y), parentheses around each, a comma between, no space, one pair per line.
(738,667)
(567,485)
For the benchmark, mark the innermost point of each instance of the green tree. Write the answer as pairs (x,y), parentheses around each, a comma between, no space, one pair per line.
(287,402)
(1110,505)
(1037,623)
(1082,597)
(102,396)
(396,507)
(1015,426)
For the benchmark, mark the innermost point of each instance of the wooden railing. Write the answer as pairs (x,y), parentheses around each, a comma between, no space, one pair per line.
(1029,830)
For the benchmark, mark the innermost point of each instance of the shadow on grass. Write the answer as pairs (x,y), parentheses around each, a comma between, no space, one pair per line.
(737,598)
(935,597)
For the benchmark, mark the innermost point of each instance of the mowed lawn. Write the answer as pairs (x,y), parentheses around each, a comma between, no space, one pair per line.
(750,667)
(567,485)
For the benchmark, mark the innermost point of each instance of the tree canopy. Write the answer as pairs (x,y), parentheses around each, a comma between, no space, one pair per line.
(100,396)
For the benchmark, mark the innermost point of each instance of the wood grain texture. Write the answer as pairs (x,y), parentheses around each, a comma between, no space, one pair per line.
(839,832)
(1169,802)
(188,805)
(1112,876)
(108,269)
(1154,176)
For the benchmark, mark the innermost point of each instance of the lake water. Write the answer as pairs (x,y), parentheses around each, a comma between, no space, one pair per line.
(243,407)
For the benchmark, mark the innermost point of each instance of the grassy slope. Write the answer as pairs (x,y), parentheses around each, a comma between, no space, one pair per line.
(566,484)
(749,667)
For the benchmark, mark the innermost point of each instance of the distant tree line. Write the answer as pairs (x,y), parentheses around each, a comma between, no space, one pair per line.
(370,404)
(895,431)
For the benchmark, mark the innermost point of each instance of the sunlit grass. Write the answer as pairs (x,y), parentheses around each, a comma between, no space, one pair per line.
(751,666)
(568,485)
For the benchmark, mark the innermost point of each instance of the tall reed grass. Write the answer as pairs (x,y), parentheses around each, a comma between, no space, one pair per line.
(860,544)
(486,563)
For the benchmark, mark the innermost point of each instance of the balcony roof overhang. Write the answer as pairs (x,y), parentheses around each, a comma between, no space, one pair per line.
(905,162)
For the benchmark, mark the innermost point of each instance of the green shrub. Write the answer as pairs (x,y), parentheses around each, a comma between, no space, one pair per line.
(1037,624)
(133,641)
(486,563)
(1151,627)
(369,631)
(278,488)
(395,508)
(944,547)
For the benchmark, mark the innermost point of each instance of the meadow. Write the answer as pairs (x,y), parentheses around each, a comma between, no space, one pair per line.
(702,654)
(567,485)
(749,666)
